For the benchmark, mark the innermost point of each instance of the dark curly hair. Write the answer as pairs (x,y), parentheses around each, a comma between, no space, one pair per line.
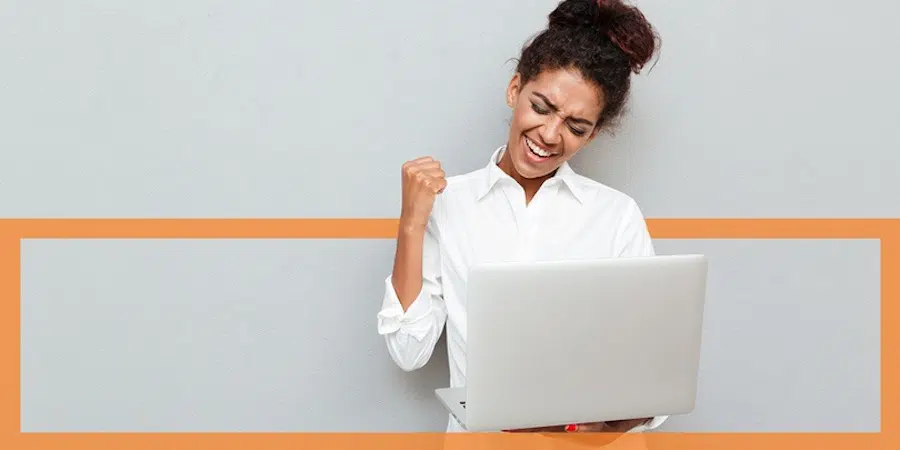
(606,40)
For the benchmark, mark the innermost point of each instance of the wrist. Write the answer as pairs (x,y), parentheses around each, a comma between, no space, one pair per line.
(623,426)
(411,228)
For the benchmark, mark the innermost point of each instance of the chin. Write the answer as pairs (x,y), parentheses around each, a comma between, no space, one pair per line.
(529,173)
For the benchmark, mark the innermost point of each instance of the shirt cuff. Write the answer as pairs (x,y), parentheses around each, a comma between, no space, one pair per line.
(652,424)
(392,318)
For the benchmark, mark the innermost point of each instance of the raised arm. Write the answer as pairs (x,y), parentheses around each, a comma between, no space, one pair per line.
(413,314)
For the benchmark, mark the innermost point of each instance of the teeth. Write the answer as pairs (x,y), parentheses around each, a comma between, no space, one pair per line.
(537,150)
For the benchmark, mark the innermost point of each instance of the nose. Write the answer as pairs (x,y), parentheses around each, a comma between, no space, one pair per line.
(551,131)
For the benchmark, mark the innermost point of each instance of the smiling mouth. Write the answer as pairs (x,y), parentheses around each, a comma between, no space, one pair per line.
(537,150)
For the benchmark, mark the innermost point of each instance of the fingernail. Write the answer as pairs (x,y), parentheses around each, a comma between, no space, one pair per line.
(571,427)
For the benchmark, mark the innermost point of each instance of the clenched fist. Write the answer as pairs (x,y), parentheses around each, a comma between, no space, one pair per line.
(423,180)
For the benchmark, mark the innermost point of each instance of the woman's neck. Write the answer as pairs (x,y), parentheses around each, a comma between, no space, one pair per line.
(530,185)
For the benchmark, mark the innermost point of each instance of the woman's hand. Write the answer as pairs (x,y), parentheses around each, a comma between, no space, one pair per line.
(423,180)
(613,426)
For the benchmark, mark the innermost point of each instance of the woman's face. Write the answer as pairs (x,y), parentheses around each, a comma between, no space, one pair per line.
(554,116)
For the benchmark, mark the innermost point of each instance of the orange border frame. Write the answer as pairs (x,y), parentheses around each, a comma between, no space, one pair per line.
(12,231)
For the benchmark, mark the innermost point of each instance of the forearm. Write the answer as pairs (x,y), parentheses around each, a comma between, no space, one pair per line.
(622,426)
(406,276)
(613,426)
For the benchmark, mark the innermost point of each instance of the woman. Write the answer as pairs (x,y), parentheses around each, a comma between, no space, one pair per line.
(571,82)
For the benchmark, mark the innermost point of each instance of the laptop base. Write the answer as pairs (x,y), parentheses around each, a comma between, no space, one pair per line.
(454,399)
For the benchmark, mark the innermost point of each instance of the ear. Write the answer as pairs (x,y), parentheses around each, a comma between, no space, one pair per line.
(512,91)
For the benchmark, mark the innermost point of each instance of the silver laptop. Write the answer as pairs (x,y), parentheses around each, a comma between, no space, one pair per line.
(552,343)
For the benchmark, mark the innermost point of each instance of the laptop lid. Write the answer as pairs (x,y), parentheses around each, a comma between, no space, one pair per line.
(583,341)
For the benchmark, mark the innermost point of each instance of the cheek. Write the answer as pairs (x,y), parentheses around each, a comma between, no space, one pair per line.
(574,143)
(525,118)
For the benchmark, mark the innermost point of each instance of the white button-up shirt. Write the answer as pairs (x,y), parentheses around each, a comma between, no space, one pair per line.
(482,217)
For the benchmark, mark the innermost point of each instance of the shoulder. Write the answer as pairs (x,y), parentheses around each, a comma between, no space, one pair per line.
(463,187)
(602,197)
(466,183)
(461,191)
(628,227)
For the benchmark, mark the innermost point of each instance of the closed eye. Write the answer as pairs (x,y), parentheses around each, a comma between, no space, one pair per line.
(543,110)
(577,131)
(539,109)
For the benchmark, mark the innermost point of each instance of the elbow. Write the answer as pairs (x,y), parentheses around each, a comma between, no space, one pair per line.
(410,343)
(409,353)
(409,366)
(407,359)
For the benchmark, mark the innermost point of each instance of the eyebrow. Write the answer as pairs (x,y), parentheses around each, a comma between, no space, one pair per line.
(554,108)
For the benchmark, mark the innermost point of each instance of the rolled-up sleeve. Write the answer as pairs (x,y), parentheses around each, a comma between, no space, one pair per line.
(412,335)
(651,425)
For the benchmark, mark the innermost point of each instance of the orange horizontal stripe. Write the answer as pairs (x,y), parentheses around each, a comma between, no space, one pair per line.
(426,441)
(357,228)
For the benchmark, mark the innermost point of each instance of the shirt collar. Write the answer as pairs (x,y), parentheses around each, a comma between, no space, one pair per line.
(564,175)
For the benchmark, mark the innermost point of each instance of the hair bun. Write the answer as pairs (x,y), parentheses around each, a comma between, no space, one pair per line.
(623,24)
(576,13)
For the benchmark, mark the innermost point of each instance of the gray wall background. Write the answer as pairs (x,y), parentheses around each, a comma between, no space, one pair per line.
(216,109)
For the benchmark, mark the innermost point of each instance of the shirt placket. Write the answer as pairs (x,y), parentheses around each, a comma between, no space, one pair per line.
(515,195)
(530,223)
(527,235)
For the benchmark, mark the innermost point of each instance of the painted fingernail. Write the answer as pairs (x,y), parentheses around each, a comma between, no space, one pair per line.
(572,427)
